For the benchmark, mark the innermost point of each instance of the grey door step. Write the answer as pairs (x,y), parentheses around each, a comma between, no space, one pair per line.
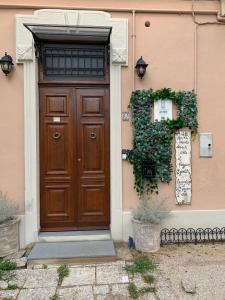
(72,252)
(70,236)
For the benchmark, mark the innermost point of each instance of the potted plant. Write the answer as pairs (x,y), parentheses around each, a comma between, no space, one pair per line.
(9,226)
(146,223)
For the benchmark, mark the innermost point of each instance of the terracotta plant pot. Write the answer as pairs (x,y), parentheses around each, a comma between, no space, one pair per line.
(9,237)
(146,236)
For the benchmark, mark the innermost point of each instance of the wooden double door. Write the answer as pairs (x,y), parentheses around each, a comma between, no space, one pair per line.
(74,158)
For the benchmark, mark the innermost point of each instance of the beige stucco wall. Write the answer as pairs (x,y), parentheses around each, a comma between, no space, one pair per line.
(11,114)
(168,47)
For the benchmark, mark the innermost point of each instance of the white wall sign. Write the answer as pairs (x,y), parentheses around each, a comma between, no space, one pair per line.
(162,110)
(183,167)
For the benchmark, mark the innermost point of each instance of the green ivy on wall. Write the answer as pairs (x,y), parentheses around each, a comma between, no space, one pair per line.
(152,141)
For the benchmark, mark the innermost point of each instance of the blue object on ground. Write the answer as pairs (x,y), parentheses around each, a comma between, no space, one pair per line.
(131,243)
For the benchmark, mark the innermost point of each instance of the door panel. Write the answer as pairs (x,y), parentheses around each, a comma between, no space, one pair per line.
(56,105)
(74,157)
(56,156)
(57,196)
(93,143)
(56,149)
(93,156)
(93,106)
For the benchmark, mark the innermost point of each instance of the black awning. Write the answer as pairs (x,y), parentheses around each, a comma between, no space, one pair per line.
(43,33)
(60,33)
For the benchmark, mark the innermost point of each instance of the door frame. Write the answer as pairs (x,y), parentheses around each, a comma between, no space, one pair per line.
(30,223)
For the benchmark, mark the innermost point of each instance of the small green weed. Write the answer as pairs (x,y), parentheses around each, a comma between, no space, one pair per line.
(44,266)
(54,297)
(133,291)
(12,287)
(6,268)
(7,275)
(63,271)
(147,290)
(148,278)
(144,266)
(141,264)
(7,298)
(7,265)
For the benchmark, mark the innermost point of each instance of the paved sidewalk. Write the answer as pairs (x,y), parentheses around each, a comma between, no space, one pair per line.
(85,282)
(186,272)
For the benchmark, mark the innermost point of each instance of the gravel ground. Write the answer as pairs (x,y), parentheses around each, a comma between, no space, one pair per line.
(188,271)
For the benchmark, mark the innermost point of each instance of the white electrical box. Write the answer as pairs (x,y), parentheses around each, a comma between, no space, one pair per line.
(205,145)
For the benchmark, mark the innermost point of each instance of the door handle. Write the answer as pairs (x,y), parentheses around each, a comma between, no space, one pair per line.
(79,159)
(93,135)
(56,135)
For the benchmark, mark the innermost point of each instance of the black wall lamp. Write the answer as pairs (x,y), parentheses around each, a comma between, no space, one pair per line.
(6,63)
(141,67)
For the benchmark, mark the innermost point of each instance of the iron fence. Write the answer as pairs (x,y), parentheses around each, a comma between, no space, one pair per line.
(190,235)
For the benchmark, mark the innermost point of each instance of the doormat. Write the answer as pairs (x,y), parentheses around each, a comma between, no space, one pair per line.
(72,250)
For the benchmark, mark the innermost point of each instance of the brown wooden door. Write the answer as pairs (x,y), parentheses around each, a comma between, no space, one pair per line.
(74,158)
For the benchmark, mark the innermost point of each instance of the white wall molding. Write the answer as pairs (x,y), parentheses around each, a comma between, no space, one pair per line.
(183,219)
(222,8)
(25,55)
(31,140)
(115,153)
(118,40)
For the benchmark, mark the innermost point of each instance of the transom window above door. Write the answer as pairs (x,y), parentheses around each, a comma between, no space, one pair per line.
(75,53)
(74,62)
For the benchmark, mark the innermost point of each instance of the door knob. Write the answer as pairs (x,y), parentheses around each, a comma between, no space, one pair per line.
(56,135)
(79,159)
(93,135)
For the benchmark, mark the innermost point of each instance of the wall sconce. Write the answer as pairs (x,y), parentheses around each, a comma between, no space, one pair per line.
(141,67)
(6,63)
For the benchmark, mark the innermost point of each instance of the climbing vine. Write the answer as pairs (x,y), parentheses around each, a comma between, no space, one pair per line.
(152,141)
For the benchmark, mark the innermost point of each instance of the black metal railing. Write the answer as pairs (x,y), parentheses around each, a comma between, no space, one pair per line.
(190,235)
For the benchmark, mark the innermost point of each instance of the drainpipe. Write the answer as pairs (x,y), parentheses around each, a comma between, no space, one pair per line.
(133,36)
(195,56)
(220,21)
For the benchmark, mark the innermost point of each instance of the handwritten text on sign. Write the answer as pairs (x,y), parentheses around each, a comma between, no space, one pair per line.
(183,167)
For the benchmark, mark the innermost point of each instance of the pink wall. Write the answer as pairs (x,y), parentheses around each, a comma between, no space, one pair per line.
(168,47)
(11,115)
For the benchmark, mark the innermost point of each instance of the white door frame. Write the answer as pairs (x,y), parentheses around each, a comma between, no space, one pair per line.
(25,54)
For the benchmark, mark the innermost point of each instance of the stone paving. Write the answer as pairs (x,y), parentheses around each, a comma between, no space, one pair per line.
(103,281)
(186,272)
